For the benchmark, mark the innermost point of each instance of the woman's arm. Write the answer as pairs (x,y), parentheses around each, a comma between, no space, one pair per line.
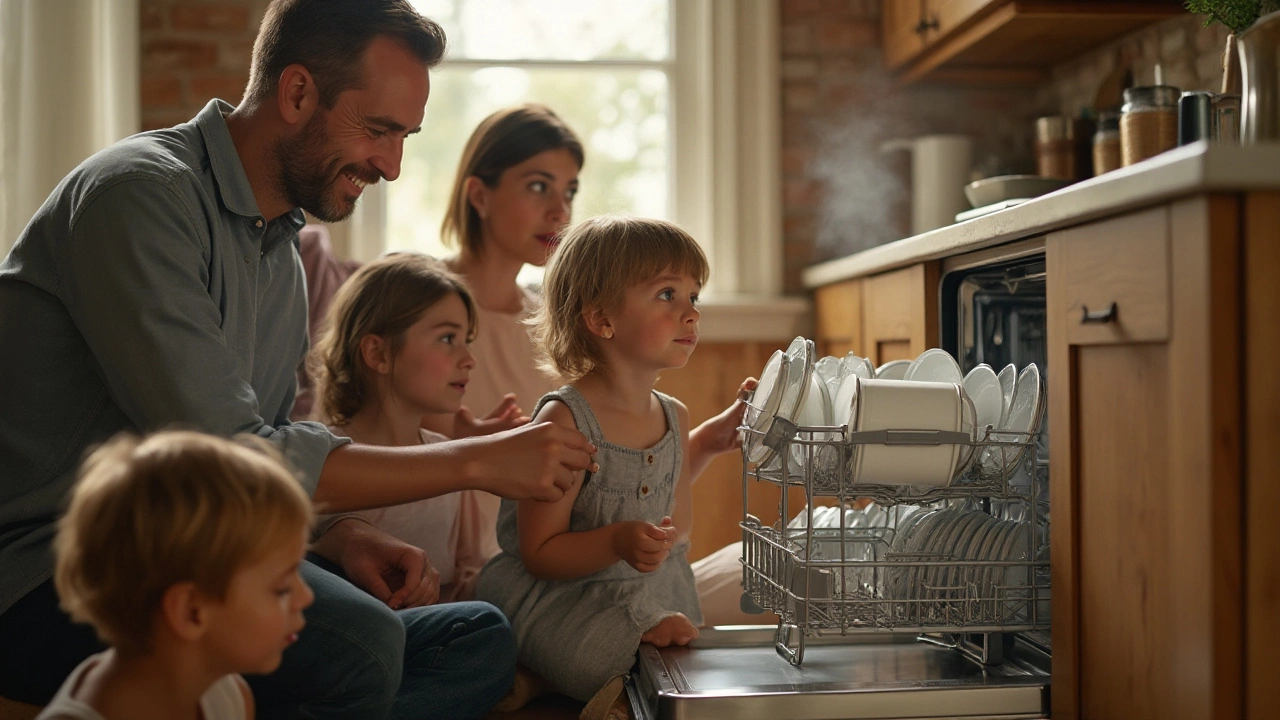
(537,461)
(551,552)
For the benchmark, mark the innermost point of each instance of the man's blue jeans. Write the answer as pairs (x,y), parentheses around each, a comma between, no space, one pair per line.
(357,658)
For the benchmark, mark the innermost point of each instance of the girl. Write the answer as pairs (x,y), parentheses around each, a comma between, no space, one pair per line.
(182,550)
(512,196)
(586,579)
(395,348)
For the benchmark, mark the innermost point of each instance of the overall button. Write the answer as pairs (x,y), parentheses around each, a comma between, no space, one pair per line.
(257,223)
(644,490)
(246,259)
(649,459)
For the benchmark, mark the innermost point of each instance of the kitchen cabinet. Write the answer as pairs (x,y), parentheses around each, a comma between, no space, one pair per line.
(1004,41)
(838,318)
(1146,395)
(900,313)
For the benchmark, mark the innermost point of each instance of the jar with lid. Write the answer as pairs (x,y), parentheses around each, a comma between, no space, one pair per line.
(1148,122)
(1106,143)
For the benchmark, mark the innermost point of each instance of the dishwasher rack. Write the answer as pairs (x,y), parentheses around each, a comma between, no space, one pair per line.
(982,571)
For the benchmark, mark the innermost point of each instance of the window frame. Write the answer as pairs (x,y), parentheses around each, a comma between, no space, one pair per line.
(724,122)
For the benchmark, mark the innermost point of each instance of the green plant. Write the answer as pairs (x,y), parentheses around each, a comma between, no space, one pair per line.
(1237,15)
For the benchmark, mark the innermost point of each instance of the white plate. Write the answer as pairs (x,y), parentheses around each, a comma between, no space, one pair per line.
(764,403)
(816,411)
(934,365)
(859,366)
(829,368)
(983,388)
(799,367)
(1008,378)
(968,422)
(893,370)
(1024,414)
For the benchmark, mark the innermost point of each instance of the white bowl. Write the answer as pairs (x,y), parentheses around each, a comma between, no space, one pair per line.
(992,190)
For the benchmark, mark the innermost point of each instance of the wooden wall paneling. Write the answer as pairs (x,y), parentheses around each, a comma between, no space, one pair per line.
(707,385)
(1261,415)
(1205,541)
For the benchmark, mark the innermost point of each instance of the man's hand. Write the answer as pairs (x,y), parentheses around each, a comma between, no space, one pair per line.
(505,416)
(532,462)
(395,572)
(643,545)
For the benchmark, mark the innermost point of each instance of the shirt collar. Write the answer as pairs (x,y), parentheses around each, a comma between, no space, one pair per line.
(228,171)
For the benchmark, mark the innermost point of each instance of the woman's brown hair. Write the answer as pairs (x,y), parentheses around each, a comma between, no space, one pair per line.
(503,140)
(384,298)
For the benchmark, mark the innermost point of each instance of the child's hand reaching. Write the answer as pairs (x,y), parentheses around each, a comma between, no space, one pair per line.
(644,545)
(505,416)
(720,434)
(674,629)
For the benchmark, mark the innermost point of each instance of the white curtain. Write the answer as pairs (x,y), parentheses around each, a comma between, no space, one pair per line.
(68,88)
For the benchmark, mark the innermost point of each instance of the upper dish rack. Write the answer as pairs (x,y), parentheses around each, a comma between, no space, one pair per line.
(970,557)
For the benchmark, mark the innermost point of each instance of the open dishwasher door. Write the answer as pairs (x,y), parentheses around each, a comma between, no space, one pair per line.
(737,673)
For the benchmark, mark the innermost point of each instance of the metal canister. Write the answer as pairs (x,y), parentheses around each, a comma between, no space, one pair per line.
(1056,147)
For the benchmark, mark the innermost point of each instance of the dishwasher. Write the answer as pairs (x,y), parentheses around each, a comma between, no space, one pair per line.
(881,617)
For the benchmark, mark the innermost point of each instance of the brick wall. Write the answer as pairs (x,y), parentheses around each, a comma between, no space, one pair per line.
(841,194)
(193,51)
(1189,55)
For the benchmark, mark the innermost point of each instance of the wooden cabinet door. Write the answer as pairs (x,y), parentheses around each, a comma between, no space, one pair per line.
(903,35)
(838,318)
(900,313)
(1143,399)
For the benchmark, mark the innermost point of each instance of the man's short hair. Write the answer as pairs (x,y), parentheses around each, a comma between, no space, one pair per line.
(146,514)
(329,39)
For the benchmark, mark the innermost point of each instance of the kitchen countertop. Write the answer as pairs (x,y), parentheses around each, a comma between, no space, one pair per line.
(1188,170)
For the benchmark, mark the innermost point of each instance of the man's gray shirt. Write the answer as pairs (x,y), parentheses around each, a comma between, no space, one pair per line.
(146,293)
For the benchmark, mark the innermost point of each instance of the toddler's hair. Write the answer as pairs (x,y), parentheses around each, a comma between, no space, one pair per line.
(594,265)
(505,139)
(384,298)
(177,506)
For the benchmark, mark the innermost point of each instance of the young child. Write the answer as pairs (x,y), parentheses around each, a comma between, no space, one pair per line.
(182,551)
(586,579)
(393,350)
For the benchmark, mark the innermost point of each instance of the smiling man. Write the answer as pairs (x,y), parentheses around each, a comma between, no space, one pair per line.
(160,284)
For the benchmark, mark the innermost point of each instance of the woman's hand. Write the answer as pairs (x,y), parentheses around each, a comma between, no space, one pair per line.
(505,416)
(393,571)
(643,545)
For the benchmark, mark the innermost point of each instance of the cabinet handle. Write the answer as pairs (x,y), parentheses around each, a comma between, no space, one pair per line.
(925,26)
(1099,317)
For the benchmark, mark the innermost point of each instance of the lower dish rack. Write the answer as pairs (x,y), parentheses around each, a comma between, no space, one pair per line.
(958,565)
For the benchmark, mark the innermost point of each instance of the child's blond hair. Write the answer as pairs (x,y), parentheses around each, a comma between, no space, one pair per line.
(173,507)
(384,298)
(594,265)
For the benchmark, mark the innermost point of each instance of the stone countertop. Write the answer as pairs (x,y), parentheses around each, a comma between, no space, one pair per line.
(1184,171)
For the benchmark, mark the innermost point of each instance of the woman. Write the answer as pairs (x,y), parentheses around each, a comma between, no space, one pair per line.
(512,196)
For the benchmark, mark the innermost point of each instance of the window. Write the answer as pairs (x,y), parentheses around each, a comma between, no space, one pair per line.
(675,102)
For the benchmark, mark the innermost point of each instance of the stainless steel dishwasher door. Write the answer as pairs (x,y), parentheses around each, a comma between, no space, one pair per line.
(736,673)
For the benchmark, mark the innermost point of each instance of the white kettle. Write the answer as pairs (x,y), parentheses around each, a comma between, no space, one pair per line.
(939,171)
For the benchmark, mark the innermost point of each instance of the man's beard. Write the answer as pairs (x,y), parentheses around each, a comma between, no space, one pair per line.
(307,180)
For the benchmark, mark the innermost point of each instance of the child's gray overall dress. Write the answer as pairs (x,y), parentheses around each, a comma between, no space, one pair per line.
(577,634)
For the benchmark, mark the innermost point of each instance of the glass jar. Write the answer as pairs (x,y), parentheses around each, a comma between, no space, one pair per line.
(1056,147)
(1148,122)
(1106,143)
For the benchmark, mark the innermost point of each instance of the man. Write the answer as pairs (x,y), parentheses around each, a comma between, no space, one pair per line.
(160,284)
